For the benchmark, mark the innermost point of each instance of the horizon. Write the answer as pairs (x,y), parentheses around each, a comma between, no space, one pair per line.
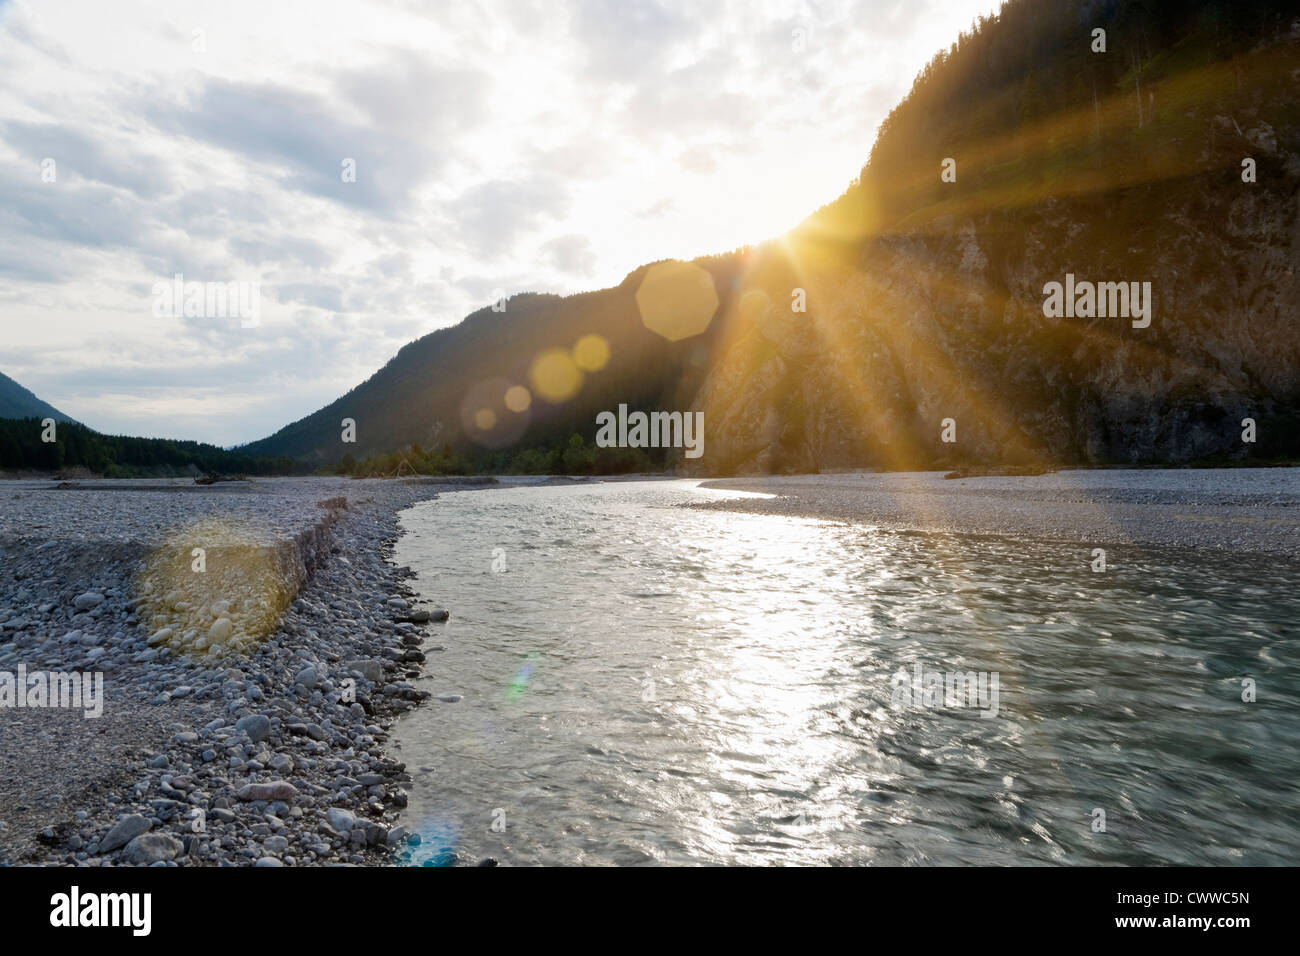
(455,212)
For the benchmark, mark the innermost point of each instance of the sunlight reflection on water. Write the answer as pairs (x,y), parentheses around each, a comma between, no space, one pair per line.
(644,683)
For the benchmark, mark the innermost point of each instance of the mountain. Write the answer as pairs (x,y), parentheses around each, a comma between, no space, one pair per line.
(18,402)
(433,391)
(1035,150)
(927,298)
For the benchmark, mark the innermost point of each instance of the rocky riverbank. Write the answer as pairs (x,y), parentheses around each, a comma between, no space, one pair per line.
(246,695)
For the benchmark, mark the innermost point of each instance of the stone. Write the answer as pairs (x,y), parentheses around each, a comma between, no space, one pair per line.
(257,726)
(221,630)
(341,820)
(150,848)
(370,670)
(88,601)
(272,790)
(124,831)
(281,763)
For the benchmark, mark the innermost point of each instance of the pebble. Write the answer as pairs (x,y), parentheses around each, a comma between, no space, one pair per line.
(124,831)
(213,770)
(257,726)
(341,820)
(88,600)
(271,790)
(152,847)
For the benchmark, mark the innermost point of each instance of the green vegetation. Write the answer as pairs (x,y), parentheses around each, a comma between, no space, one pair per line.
(117,456)
(574,456)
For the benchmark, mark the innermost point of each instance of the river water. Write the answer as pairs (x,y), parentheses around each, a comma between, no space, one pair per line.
(642,683)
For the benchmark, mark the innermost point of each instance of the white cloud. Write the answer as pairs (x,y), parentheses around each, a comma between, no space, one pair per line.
(549,146)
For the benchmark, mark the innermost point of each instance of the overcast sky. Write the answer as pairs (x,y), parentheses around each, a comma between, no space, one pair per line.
(547,146)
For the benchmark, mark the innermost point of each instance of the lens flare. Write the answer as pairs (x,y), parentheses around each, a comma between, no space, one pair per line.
(677,299)
(519,684)
(438,838)
(217,587)
(554,376)
(591,354)
(487,416)
(518,398)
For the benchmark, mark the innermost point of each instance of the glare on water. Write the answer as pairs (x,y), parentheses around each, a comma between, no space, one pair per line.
(648,683)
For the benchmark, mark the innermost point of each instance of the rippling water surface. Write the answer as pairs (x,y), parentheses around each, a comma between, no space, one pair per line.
(646,683)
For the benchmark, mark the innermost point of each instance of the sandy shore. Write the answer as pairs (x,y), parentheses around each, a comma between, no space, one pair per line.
(223,739)
(1239,509)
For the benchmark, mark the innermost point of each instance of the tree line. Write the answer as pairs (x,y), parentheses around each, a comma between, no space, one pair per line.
(22,448)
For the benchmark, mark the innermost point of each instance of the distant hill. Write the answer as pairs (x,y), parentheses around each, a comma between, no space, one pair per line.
(18,402)
(23,450)
(431,391)
(1034,149)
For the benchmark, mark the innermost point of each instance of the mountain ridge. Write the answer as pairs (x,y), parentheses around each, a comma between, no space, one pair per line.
(923,301)
(16,401)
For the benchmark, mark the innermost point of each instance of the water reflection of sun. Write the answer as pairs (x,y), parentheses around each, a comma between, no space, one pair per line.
(765,691)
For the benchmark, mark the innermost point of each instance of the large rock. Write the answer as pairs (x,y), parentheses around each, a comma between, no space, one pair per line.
(124,831)
(271,790)
(257,726)
(87,601)
(152,847)
(341,820)
(371,670)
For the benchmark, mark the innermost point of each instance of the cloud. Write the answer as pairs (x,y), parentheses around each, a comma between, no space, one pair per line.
(490,216)
(501,145)
(631,41)
(106,160)
(571,254)
(303,134)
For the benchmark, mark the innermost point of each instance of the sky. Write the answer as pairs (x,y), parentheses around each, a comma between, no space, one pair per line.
(493,148)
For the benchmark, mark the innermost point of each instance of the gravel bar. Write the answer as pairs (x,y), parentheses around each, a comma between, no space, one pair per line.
(1228,509)
(223,740)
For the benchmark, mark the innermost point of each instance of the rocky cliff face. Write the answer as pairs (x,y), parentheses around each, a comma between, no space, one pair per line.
(940,316)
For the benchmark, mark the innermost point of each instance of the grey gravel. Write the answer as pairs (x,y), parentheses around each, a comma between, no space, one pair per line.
(217,747)
(1228,509)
